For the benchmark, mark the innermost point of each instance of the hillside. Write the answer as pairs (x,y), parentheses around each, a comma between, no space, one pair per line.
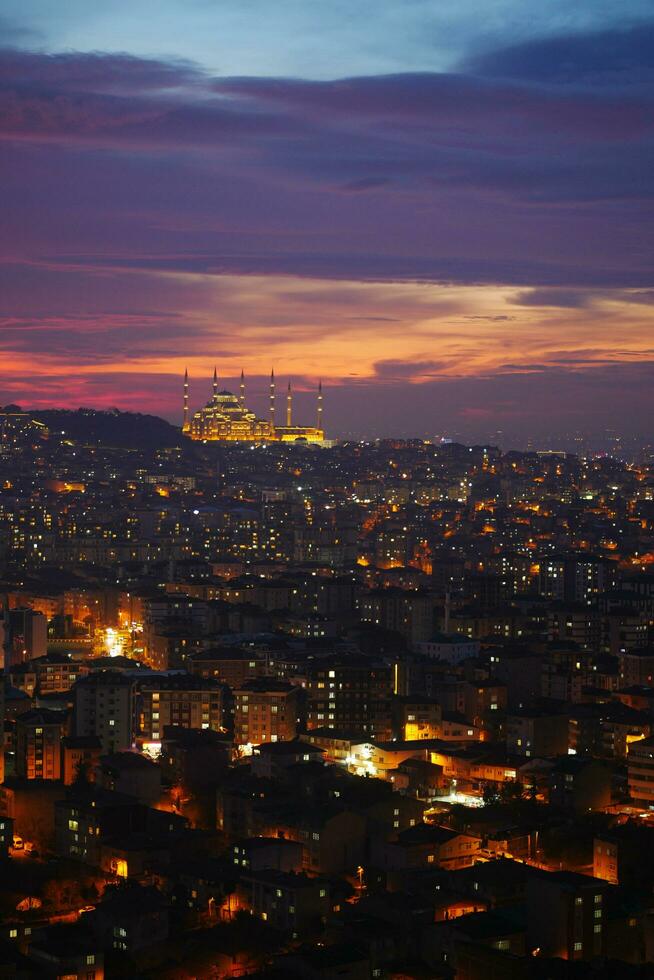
(130,430)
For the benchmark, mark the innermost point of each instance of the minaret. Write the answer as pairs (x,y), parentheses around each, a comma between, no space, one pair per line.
(242,389)
(272,398)
(320,404)
(289,406)
(215,384)
(185,421)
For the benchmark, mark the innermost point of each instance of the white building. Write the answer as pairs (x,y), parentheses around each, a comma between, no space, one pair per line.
(452,648)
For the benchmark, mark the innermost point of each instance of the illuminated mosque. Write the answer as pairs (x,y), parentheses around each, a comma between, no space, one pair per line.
(225,417)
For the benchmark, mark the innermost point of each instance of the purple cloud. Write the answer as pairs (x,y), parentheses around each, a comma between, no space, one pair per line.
(132,188)
(615,57)
(397,370)
(455,177)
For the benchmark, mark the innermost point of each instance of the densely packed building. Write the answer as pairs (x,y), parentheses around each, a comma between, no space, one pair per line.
(376,709)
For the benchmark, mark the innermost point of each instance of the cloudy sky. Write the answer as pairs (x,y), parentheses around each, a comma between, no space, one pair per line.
(442,209)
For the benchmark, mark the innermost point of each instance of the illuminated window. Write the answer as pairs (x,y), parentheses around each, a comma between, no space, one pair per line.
(121,867)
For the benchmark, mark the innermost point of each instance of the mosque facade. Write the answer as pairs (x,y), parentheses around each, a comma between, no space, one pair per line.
(226,418)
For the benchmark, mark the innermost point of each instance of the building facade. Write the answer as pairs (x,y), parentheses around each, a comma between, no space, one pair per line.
(226,418)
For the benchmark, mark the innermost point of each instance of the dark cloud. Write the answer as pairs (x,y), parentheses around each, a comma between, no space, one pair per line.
(94,72)
(500,318)
(428,176)
(620,56)
(572,299)
(397,370)
(579,299)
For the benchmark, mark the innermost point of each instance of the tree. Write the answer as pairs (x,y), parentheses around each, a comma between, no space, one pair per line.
(511,791)
(490,794)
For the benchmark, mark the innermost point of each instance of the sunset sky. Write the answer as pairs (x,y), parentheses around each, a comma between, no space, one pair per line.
(442,209)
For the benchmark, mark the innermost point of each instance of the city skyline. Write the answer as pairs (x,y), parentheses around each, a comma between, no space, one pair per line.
(447,222)
(327,489)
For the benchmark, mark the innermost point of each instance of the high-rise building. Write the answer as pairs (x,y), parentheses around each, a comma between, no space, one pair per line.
(637,667)
(38,744)
(104,706)
(352,695)
(640,771)
(566,915)
(265,710)
(184,700)
(28,635)
(407,612)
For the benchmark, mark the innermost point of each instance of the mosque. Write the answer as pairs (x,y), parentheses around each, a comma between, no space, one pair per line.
(225,417)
